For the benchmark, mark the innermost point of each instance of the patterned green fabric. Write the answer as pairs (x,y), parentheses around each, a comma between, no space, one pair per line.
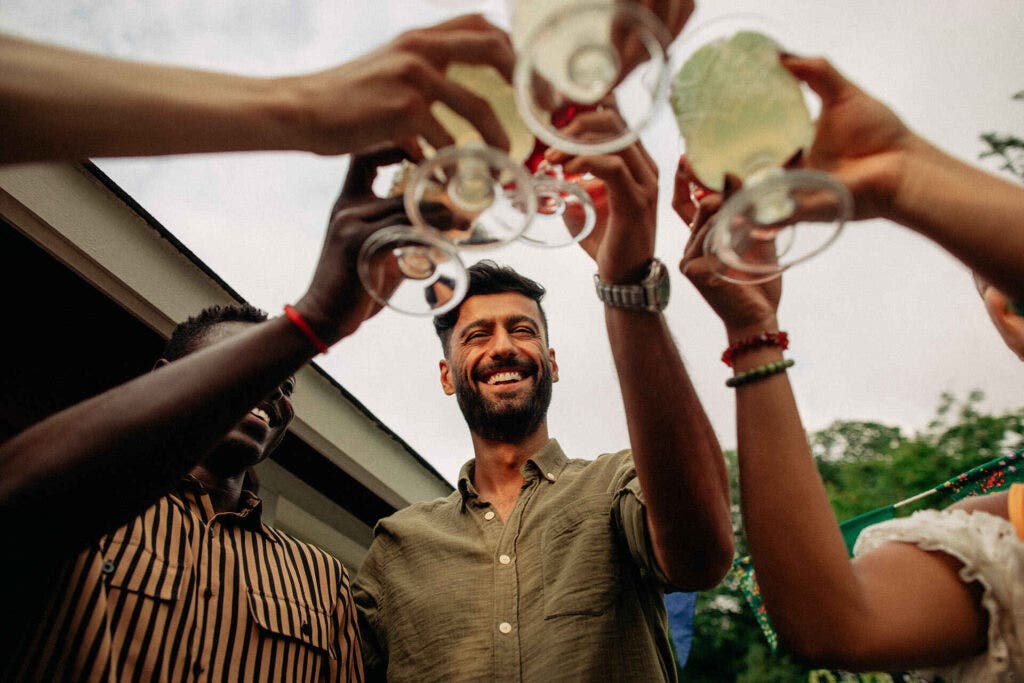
(989,477)
(851,528)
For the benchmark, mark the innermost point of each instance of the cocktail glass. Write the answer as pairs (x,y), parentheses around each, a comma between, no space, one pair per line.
(741,113)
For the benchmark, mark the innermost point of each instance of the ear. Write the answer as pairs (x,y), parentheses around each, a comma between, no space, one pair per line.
(446,377)
(1007,322)
(160,362)
(554,365)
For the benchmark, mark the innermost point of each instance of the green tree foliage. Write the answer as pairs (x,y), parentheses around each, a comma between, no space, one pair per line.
(865,465)
(1008,149)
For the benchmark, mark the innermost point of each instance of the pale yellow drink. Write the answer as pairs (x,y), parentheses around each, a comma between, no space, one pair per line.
(739,111)
(486,82)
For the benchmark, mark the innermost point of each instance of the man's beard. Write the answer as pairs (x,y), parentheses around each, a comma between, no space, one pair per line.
(505,421)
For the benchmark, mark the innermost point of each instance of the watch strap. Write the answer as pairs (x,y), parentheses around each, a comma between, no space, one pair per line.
(650,294)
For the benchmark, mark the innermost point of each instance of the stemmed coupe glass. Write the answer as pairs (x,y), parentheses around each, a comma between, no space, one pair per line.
(571,56)
(741,113)
(584,56)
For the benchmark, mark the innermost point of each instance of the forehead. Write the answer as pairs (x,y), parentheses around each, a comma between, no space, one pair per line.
(497,307)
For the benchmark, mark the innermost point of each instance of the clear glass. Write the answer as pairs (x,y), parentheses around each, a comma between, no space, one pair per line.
(464,197)
(411,271)
(741,113)
(565,212)
(588,56)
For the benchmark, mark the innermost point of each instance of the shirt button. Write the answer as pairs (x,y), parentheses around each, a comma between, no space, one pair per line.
(489,515)
(306,629)
(208,593)
(197,668)
(505,627)
(108,567)
(505,559)
(549,476)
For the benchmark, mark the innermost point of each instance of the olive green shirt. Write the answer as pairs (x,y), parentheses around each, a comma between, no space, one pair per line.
(566,589)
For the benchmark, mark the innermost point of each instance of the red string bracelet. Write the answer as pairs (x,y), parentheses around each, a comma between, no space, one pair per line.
(304,327)
(780,339)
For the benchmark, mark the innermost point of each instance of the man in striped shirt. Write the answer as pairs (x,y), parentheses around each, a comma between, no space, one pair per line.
(133,551)
(198,587)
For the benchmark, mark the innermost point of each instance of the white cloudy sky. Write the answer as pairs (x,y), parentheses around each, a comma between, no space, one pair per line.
(880,324)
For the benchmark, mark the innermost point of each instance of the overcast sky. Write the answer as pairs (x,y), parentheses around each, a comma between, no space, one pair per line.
(880,324)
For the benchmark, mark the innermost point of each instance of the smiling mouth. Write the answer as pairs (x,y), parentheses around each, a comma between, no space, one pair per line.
(507,377)
(261,415)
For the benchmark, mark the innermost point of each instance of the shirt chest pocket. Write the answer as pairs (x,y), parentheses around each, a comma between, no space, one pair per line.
(139,569)
(580,559)
(293,620)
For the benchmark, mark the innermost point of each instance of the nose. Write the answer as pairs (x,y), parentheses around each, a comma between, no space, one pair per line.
(502,344)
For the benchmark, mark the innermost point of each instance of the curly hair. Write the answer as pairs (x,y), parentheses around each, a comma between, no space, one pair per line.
(186,334)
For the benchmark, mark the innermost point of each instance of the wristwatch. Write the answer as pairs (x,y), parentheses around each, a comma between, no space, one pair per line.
(650,294)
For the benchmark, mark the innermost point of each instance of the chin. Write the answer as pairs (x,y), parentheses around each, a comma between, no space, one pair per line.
(233,456)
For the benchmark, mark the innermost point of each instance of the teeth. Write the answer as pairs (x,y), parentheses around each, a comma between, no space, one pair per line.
(261,414)
(504,377)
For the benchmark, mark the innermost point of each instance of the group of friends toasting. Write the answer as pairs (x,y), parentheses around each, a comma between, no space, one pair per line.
(137,548)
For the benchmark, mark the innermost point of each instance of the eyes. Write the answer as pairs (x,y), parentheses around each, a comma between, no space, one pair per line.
(519,331)
(288,386)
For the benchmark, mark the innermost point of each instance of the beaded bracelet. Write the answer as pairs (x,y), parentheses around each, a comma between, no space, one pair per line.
(780,339)
(304,327)
(760,372)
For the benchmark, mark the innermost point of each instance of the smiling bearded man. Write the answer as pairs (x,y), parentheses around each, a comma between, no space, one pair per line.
(514,412)
(539,567)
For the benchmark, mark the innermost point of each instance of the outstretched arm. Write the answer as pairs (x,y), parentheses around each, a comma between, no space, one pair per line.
(65,104)
(895,608)
(896,174)
(678,459)
(83,471)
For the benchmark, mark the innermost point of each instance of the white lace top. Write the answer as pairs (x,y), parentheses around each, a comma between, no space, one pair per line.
(994,557)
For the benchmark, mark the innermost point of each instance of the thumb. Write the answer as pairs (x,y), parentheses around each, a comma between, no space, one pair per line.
(819,75)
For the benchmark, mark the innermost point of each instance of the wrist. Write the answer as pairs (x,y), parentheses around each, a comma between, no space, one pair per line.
(910,172)
(617,274)
(321,324)
(290,102)
(742,331)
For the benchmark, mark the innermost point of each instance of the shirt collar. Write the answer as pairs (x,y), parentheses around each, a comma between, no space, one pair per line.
(547,463)
(466,488)
(248,516)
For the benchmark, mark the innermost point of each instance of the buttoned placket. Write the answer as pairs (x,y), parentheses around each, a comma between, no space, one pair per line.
(207,561)
(507,645)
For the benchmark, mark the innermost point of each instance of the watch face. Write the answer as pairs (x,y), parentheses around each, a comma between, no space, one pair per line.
(661,284)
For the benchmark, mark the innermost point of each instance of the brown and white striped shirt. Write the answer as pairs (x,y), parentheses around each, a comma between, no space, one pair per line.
(182,593)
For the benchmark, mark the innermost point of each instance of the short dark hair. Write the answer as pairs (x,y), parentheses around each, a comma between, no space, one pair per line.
(186,334)
(487,277)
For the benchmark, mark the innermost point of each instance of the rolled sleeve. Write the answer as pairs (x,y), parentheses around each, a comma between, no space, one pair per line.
(630,516)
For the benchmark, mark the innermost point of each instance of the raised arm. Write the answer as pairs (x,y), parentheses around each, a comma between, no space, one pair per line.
(895,608)
(896,174)
(65,104)
(83,471)
(678,459)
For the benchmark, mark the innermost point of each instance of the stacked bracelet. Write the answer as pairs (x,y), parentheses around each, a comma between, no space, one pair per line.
(304,327)
(760,372)
(780,339)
